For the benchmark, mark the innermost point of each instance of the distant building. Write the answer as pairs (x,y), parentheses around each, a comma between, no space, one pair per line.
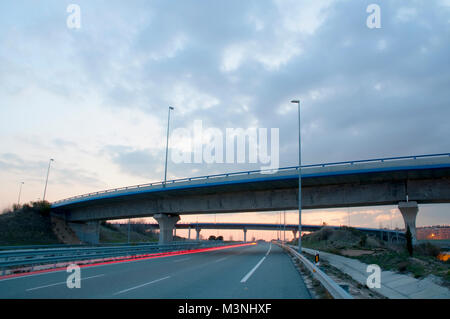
(433,232)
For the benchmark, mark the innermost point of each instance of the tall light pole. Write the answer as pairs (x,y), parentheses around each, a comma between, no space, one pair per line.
(20,191)
(299,180)
(167,146)
(46,180)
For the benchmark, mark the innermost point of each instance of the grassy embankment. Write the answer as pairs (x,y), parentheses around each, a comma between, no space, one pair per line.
(352,243)
(110,233)
(30,224)
(27,225)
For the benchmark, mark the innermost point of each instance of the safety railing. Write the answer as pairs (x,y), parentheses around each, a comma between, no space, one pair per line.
(14,259)
(27,247)
(336,291)
(295,168)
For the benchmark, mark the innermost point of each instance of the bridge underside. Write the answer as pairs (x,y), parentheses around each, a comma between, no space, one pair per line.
(313,197)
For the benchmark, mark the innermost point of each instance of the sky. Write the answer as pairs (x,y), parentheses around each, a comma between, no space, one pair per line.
(96,98)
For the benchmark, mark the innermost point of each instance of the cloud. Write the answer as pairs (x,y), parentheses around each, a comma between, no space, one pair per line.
(79,93)
(35,171)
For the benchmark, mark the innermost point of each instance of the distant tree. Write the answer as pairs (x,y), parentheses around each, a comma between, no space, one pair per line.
(219,238)
(212,237)
(363,240)
(409,245)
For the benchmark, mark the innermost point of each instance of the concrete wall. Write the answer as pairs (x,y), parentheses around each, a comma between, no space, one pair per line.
(87,232)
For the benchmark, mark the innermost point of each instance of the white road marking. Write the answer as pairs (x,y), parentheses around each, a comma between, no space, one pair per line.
(148,283)
(250,273)
(60,283)
(270,247)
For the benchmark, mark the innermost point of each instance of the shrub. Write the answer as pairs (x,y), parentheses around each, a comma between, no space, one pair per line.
(402,266)
(363,241)
(325,233)
(427,249)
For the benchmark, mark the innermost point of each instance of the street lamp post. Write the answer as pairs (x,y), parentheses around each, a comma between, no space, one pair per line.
(20,191)
(46,180)
(299,180)
(167,146)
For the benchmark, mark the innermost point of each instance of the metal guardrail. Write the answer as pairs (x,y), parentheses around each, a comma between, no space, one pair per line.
(207,177)
(51,256)
(22,247)
(336,291)
(32,253)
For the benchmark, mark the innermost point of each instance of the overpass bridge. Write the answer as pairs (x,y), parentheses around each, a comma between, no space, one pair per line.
(403,181)
(385,234)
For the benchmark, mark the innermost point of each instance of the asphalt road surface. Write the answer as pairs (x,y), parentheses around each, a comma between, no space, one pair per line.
(256,271)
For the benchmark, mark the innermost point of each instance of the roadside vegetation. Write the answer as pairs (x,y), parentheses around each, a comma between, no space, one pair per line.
(27,224)
(420,260)
(31,224)
(112,233)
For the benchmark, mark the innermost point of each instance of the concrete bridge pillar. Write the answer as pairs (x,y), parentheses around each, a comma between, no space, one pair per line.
(198,233)
(189,233)
(166,226)
(409,212)
(87,232)
(245,235)
(295,234)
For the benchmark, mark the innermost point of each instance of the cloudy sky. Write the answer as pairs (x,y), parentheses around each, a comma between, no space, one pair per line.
(95,98)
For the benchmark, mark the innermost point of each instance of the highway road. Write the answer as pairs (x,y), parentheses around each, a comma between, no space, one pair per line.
(255,271)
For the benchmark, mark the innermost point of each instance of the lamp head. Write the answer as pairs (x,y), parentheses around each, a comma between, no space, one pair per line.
(295,101)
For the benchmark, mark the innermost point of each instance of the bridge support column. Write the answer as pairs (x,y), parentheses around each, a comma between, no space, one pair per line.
(198,233)
(245,235)
(295,234)
(189,233)
(409,212)
(166,226)
(87,232)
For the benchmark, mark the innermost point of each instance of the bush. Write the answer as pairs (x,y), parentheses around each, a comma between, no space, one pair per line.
(42,207)
(363,241)
(325,233)
(402,266)
(212,237)
(427,249)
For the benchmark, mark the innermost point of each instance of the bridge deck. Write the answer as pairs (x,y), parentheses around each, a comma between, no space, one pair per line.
(328,173)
